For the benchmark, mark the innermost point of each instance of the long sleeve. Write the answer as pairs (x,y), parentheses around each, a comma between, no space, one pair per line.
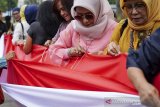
(147,57)
(18,31)
(59,51)
(62,26)
(71,38)
(16,34)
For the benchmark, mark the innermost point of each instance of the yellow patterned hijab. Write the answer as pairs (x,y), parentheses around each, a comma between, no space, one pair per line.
(153,10)
(22,12)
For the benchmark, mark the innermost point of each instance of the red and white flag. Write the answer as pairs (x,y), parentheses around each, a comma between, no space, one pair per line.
(89,81)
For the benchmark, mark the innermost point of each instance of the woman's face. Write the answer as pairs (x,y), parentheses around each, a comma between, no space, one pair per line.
(84,16)
(63,12)
(137,11)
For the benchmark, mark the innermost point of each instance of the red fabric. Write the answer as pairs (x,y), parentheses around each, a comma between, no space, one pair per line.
(1,93)
(105,76)
(8,43)
(36,55)
(1,96)
(156,82)
(90,72)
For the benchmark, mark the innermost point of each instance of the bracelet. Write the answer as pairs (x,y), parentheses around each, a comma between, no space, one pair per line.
(69,52)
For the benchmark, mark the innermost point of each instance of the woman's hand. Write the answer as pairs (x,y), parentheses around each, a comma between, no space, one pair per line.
(53,40)
(113,49)
(149,95)
(10,55)
(47,43)
(20,42)
(76,51)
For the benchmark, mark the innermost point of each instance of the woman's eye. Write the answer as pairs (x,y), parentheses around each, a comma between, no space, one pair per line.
(140,5)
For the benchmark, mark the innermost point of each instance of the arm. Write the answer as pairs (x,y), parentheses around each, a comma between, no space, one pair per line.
(148,93)
(62,27)
(3,61)
(113,47)
(16,34)
(55,38)
(28,45)
(63,48)
(47,43)
(143,65)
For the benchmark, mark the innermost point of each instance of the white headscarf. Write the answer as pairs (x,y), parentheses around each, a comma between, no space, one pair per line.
(102,12)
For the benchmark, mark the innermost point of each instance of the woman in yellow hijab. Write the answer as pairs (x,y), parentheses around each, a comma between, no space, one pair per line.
(20,31)
(22,13)
(143,18)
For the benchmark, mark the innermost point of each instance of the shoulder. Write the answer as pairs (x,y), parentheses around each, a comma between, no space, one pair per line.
(112,24)
(68,32)
(69,28)
(122,21)
(62,26)
(121,26)
(18,25)
(25,24)
(36,23)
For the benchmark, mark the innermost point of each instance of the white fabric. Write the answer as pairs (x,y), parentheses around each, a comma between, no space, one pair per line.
(10,102)
(1,46)
(50,97)
(102,12)
(19,32)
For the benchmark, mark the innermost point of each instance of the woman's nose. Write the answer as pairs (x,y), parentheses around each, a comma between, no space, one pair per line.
(134,10)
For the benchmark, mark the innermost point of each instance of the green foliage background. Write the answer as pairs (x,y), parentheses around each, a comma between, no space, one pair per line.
(32,1)
(7,4)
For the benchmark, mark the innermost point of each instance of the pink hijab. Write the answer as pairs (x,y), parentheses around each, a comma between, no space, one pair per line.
(102,12)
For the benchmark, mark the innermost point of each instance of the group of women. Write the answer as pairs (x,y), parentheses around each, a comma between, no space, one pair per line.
(88,26)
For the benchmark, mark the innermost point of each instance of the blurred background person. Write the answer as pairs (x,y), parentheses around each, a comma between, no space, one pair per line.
(3,28)
(9,24)
(30,13)
(16,14)
(44,28)
(20,31)
(63,8)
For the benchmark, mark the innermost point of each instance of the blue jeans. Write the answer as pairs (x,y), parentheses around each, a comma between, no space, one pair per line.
(3,63)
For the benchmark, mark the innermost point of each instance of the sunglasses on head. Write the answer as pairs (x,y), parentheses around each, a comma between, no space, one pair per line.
(84,16)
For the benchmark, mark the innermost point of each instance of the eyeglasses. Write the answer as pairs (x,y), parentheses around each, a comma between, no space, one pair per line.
(138,6)
(84,16)
(15,13)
